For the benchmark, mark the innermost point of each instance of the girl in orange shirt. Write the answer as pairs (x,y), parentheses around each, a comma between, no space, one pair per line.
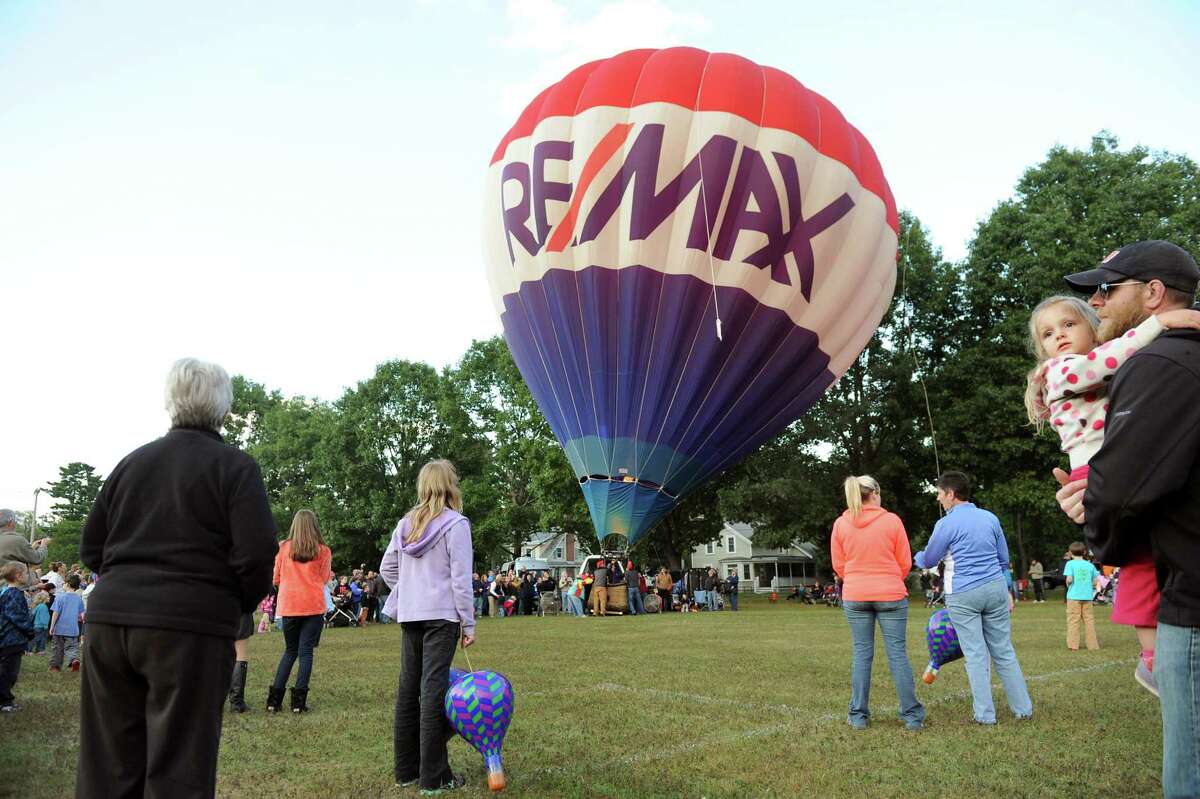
(302,567)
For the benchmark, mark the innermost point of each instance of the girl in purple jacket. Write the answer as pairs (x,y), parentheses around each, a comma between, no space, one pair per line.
(428,567)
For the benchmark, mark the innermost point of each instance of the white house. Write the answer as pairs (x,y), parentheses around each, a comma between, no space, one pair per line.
(560,550)
(761,569)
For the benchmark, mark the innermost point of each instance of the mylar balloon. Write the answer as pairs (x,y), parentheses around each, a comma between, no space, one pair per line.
(942,639)
(686,249)
(480,707)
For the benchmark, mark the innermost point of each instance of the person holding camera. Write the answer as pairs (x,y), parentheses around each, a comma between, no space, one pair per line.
(14,547)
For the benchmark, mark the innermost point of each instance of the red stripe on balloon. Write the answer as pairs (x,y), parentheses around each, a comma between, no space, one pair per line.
(600,156)
(700,81)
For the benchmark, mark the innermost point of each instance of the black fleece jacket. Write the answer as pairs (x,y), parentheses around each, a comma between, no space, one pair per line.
(182,537)
(1144,483)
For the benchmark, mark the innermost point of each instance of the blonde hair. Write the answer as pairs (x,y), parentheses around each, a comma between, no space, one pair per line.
(437,489)
(40,598)
(305,536)
(857,489)
(1035,386)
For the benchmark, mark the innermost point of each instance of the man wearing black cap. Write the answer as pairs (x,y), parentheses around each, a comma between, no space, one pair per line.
(1144,483)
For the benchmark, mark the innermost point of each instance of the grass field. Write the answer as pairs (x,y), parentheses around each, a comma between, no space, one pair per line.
(714,705)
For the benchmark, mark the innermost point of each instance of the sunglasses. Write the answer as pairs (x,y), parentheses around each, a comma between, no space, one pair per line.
(1105,290)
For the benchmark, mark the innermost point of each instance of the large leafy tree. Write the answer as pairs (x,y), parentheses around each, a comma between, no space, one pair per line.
(75,491)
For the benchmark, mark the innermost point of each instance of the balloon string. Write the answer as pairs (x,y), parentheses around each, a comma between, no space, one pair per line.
(464,649)
(920,369)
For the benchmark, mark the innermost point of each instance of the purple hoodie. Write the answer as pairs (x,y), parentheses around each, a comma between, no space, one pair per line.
(431,578)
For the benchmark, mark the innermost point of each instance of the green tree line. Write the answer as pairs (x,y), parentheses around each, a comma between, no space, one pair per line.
(939,387)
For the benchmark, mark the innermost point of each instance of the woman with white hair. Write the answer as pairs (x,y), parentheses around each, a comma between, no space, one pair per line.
(870,553)
(184,537)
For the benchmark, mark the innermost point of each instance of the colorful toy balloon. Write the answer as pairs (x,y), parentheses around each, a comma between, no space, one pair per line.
(480,707)
(686,250)
(942,639)
(456,675)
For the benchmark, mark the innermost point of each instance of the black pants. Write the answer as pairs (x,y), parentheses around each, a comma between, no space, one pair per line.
(10,668)
(1039,590)
(422,730)
(664,594)
(150,712)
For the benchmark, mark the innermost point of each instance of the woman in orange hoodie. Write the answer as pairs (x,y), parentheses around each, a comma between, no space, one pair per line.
(870,552)
(302,567)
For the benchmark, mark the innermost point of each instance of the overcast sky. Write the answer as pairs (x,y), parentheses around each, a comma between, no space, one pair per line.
(293,188)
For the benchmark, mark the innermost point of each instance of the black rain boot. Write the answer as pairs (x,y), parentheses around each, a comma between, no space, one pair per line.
(299,700)
(237,689)
(274,699)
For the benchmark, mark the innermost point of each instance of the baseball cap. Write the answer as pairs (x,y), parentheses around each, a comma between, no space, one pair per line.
(1143,260)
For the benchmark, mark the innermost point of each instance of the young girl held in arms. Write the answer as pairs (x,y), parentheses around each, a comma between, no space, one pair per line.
(1069,389)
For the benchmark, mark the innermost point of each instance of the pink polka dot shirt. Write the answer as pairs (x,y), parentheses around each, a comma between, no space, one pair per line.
(1075,390)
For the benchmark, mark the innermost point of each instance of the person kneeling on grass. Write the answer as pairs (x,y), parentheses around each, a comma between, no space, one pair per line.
(428,566)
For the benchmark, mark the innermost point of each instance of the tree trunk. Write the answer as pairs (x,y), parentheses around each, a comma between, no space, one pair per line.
(1021,561)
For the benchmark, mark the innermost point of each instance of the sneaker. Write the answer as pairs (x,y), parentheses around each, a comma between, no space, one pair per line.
(1145,677)
(455,782)
(914,726)
(55,668)
(8,708)
(74,665)
(408,783)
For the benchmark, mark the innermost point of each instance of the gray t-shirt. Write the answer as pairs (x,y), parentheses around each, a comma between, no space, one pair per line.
(600,578)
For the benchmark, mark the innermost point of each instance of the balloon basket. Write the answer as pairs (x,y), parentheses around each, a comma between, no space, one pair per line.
(930,675)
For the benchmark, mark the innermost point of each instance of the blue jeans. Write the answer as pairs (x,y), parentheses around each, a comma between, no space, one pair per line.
(301,634)
(712,600)
(479,606)
(984,627)
(893,623)
(636,605)
(576,605)
(733,599)
(1177,671)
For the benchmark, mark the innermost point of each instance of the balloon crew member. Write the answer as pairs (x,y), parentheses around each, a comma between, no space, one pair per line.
(428,567)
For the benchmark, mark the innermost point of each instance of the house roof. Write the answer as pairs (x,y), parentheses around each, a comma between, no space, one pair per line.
(808,551)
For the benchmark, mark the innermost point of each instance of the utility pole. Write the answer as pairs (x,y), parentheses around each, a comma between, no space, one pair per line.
(33,521)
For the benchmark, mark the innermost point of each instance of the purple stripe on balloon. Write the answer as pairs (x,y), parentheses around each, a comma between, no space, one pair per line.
(627,368)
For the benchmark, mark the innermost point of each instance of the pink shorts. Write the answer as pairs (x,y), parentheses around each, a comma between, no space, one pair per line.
(1136,602)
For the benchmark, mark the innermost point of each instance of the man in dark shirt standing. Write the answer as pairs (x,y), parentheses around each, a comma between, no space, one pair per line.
(183,538)
(1144,483)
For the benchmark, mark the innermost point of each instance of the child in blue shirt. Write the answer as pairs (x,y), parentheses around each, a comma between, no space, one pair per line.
(64,626)
(1082,581)
(16,629)
(41,623)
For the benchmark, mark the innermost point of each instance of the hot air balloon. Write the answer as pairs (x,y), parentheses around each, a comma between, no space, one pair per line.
(480,706)
(942,639)
(685,249)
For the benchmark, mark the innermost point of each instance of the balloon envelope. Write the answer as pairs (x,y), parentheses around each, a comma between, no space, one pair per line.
(480,706)
(685,249)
